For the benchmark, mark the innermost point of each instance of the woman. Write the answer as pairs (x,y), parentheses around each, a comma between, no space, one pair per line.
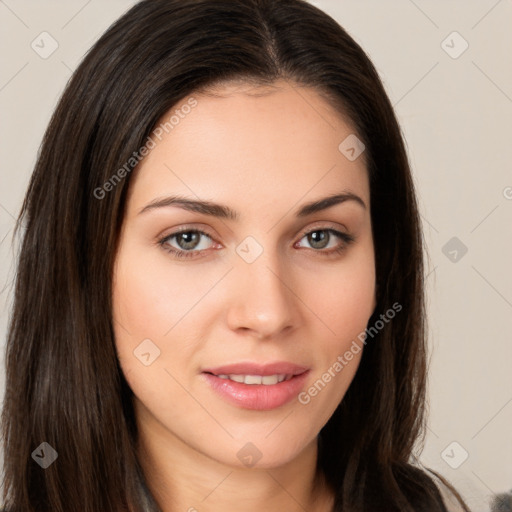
(219,299)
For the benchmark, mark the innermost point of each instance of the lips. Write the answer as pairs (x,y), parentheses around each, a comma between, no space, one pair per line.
(257,386)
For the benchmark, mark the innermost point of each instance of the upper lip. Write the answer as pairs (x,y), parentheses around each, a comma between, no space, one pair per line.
(258,369)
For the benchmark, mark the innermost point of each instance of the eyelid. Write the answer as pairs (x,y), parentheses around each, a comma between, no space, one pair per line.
(185,229)
(318,225)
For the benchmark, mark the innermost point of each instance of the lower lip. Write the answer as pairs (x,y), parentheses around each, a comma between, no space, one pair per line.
(259,397)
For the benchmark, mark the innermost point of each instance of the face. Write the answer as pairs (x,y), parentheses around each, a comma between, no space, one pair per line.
(271,285)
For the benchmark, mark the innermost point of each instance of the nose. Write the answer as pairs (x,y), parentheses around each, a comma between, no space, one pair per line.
(262,301)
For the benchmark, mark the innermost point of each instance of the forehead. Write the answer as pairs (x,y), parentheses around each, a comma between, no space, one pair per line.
(241,141)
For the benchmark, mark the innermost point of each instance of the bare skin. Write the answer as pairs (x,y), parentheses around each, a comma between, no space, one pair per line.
(264,152)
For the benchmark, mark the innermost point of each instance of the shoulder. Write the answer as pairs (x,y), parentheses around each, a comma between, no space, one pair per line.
(450,500)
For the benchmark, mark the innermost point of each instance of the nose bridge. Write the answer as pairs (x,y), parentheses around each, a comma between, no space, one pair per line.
(263,300)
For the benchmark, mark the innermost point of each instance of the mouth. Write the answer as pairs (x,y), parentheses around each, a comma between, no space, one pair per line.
(251,380)
(257,387)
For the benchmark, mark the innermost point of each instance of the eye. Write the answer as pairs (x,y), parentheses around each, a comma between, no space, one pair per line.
(325,238)
(189,243)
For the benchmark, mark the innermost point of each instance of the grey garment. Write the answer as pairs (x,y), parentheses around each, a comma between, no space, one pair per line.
(146,502)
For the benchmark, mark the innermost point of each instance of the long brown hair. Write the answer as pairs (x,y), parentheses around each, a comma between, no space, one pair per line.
(64,385)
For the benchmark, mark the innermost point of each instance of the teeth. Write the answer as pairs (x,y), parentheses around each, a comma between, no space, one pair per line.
(253,379)
(267,380)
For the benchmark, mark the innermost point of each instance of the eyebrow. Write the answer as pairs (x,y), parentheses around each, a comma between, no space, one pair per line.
(225,212)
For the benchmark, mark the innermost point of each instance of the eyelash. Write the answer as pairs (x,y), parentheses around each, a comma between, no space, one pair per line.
(345,237)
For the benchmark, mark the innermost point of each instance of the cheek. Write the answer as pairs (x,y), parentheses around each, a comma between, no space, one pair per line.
(344,300)
(345,297)
(143,299)
(145,307)
(345,306)
(158,301)
(150,317)
(151,295)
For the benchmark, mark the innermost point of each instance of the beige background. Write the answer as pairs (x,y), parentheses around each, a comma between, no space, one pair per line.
(456,115)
